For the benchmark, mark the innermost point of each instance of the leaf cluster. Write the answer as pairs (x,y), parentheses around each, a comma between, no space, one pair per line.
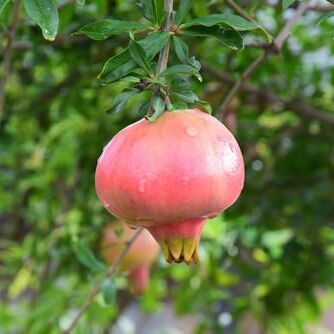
(137,62)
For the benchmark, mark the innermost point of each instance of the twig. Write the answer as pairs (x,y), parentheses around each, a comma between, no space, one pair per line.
(303,108)
(316,8)
(164,53)
(246,87)
(275,47)
(7,55)
(240,11)
(95,289)
(284,34)
(268,96)
(244,76)
(163,56)
(322,8)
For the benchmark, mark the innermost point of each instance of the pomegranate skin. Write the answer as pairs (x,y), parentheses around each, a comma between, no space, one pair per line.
(170,176)
(138,259)
(139,279)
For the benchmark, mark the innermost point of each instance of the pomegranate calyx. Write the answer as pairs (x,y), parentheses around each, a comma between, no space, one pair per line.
(179,241)
(179,250)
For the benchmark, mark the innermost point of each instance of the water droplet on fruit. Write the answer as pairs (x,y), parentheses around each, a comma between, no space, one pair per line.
(192,132)
(142,185)
(105,203)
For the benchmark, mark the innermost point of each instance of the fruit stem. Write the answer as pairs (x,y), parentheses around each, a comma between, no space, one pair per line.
(164,53)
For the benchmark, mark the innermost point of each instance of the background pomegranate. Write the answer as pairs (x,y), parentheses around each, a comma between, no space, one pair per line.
(170,176)
(139,258)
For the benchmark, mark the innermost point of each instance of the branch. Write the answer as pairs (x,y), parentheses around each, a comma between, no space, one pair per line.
(285,32)
(297,105)
(275,47)
(163,56)
(315,7)
(95,289)
(240,11)
(164,53)
(7,55)
(246,87)
(322,8)
(303,108)
(244,76)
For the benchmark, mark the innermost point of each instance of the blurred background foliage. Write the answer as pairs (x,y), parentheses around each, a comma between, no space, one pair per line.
(268,256)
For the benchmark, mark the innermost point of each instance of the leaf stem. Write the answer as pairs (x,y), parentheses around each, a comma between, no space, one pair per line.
(96,287)
(164,53)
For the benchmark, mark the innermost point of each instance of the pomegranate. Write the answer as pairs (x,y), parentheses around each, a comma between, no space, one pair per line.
(170,176)
(139,258)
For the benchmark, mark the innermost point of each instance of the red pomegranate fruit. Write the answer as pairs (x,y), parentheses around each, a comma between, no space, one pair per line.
(139,258)
(170,176)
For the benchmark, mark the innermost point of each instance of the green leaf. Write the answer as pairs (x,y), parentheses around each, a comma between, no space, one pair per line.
(159,107)
(181,49)
(170,106)
(121,100)
(324,17)
(159,14)
(108,291)
(154,42)
(3,5)
(193,62)
(181,69)
(230,38)
(182,12)
(287,3)
(117,67)
(140,57)
(182,52)
(180,106)
(103,29)
(143,108)
(187,96)
(146,8)
(228,20)
(131,79)
(45,14)
(204,106)
(122,64)
(180,83)
(81,2)
(87,258)
(153,10)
